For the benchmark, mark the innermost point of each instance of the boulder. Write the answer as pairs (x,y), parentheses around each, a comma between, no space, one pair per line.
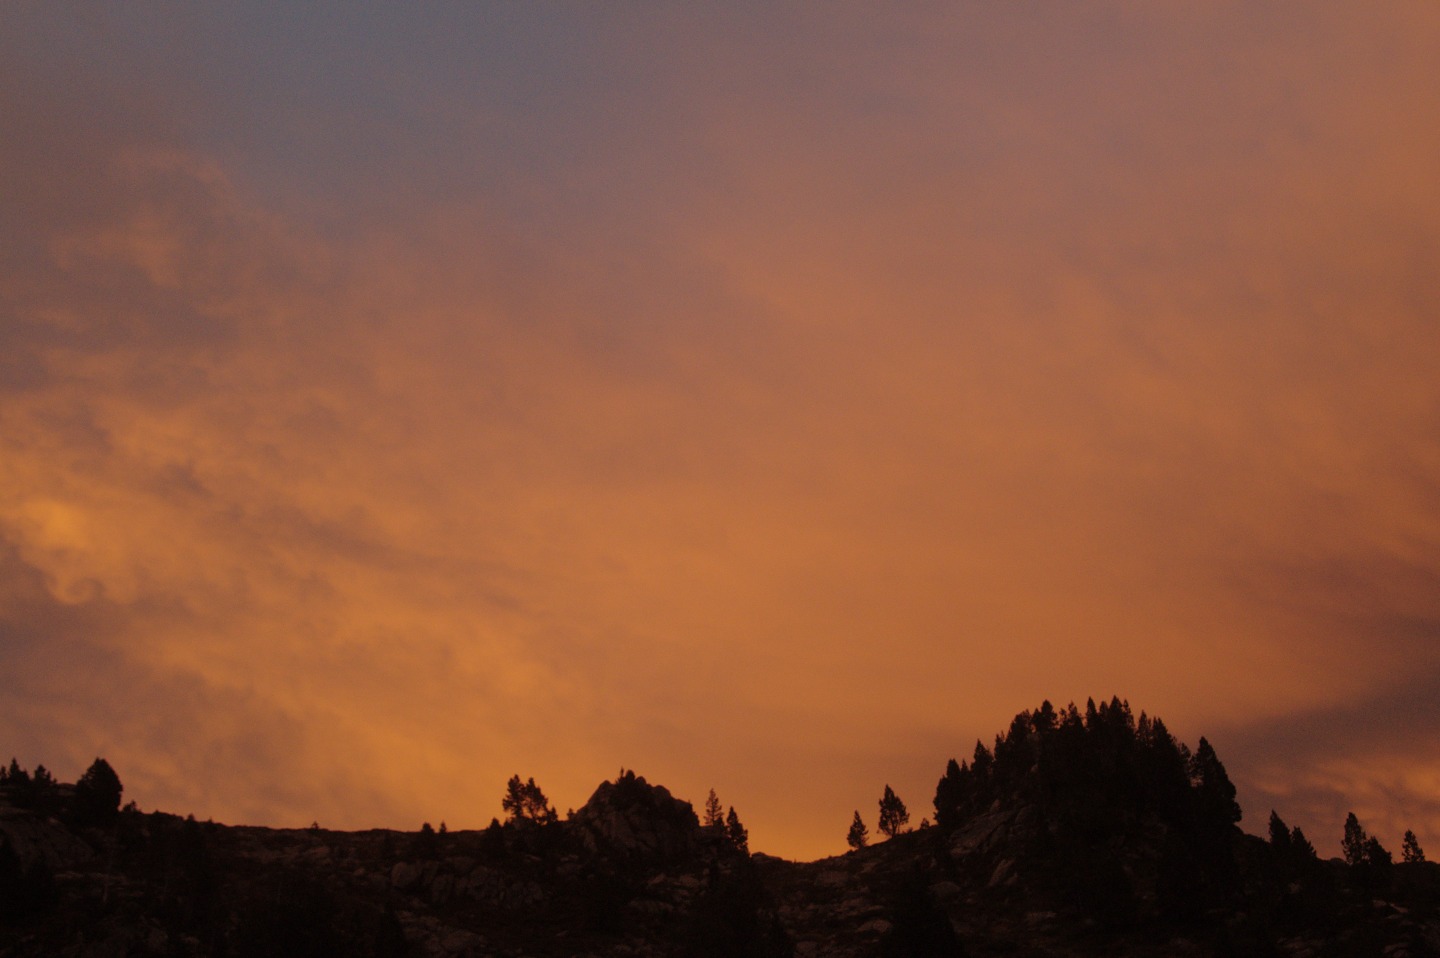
(404,876)
(981,834)
(945,892)
(1004,874)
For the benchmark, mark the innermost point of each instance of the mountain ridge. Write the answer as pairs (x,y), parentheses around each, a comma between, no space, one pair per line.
(1081,832)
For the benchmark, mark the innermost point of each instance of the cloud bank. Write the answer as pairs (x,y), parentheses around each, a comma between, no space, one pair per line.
(763,400)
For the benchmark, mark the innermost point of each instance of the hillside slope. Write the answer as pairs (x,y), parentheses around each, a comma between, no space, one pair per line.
(1077,834)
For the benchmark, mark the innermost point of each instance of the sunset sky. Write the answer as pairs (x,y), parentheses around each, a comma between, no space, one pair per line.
(772,398)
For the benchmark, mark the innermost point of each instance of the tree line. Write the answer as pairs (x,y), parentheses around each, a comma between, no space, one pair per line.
(94,799)
(1089,769)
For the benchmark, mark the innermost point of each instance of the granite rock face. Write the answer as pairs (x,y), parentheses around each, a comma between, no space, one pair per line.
(631,817)
(40,841)
(631,874)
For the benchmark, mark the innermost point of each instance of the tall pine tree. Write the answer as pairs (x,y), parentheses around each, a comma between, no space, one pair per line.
(736,832)
(714,813)
(1410,850)
(858,836)
(1354,841)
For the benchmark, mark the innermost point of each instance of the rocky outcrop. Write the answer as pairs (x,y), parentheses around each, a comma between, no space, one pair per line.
(35,840)
(1022,865)
(633,818)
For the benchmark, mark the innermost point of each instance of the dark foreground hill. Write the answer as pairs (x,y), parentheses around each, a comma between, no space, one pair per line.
(1078,834)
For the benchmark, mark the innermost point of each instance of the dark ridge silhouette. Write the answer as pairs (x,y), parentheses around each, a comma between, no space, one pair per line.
(1076,832)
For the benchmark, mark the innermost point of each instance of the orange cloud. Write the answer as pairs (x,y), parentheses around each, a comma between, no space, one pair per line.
(784,441)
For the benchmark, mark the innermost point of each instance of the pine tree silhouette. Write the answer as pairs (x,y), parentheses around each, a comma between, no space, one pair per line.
(736,832)
(714,813)
(1353,843)
(1410,850)
(97,794)
(858,836)
(893,815)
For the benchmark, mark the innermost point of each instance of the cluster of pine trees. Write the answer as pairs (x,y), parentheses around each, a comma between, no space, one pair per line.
(894,819)
(524,801)
(1098,778)
(1089,770)
(93,800)
(1362,849)
(728,825)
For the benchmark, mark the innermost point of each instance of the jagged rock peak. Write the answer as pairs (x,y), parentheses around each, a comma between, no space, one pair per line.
(632,816)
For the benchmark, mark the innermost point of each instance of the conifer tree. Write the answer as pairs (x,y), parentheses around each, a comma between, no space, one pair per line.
(44,793)
(98,793)
(858,836)
(1300,846)
(1045,718)
(950,793)
(1217,793)
(526,801)
(1410,850)
(426,844)
(1279,833)
(514,801)
(714,815)
(736,832)
(1353,844)
(981,762)
(893,815)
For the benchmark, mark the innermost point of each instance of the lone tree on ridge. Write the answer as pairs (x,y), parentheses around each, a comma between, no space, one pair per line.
(525,801)
(714,814)
(893,816)
(858,836)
